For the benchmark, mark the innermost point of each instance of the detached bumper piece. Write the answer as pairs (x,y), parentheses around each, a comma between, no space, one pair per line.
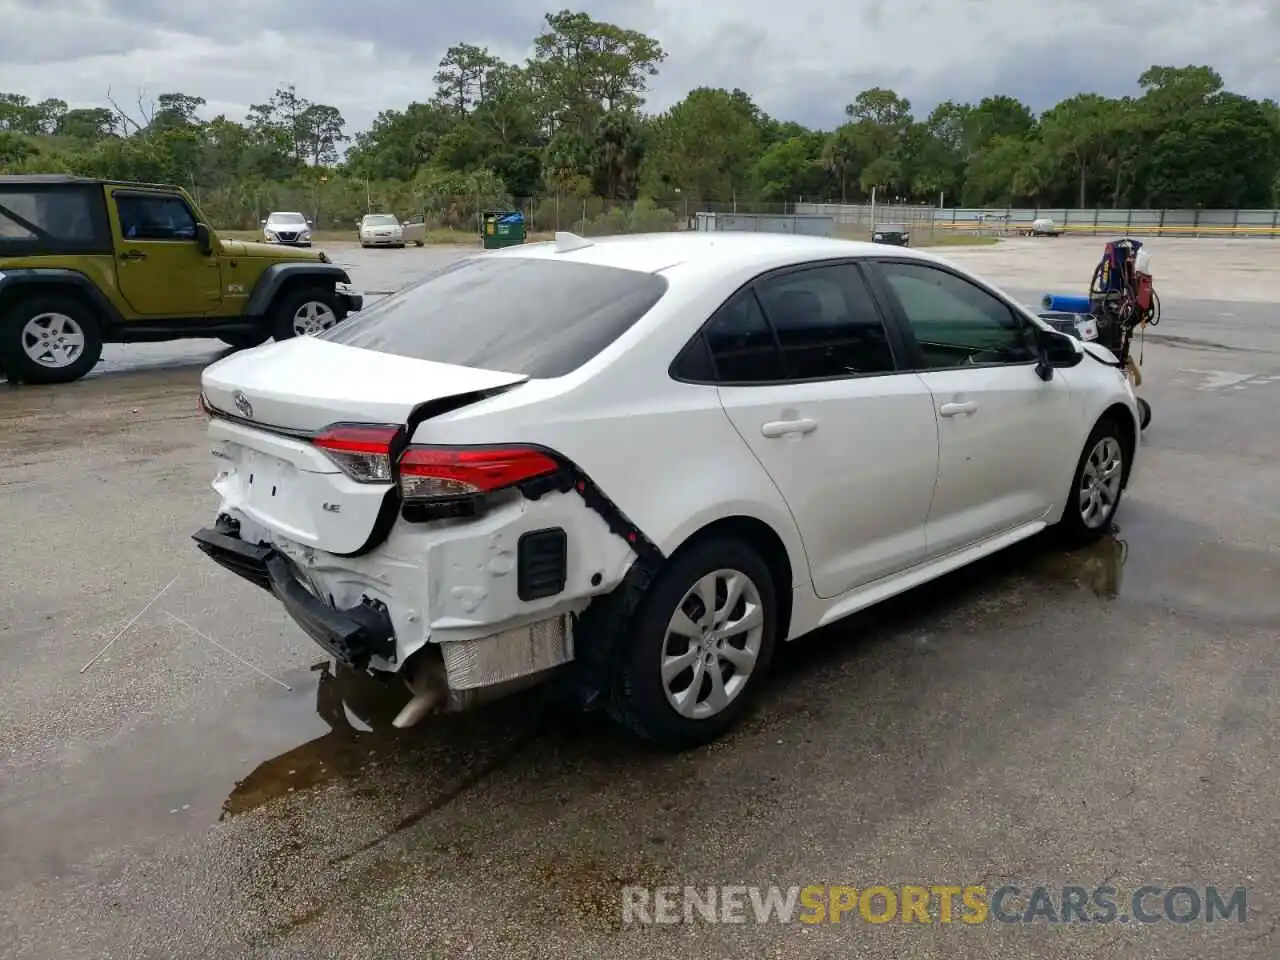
(352,636)
(354,302)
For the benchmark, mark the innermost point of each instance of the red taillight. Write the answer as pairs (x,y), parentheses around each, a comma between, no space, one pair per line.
(362,451)
(433,473)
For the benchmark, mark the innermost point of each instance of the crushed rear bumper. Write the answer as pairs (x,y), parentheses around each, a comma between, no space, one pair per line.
(352,636)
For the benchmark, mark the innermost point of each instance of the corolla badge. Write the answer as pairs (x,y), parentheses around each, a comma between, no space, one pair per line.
(242,404)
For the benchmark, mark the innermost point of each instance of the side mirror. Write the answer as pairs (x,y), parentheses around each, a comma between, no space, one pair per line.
(204,238)
(310,222)
(1057,350)
(262,223)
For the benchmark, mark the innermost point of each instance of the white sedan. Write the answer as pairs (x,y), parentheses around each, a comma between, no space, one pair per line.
(636,464)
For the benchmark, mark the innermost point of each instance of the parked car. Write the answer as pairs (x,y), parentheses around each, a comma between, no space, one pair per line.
(385,230)
(892,233)
(635,465)
(85,262)
(292,229)
(1043,227)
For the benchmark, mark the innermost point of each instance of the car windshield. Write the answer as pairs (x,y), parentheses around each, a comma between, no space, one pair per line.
(892,228)
(380,220)
(526,315)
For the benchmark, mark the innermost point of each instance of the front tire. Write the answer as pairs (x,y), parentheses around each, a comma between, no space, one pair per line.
(50,339)
(1144,412)
(306,312)
(243,341)
(1097,486)
(699,646)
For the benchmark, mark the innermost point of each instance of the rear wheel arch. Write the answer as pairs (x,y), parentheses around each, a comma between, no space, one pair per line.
(60,283)
(762,538)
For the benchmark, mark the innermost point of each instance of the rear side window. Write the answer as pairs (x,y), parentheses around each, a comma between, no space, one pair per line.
(540,318)
(827,323)
(41,220)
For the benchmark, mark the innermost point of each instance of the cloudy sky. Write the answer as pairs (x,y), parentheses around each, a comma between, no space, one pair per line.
(800,59)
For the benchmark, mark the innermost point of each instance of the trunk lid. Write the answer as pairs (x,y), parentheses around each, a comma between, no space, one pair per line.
(306,384)
(270,472)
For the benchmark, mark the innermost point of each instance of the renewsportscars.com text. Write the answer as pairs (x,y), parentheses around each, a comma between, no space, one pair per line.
(919,904)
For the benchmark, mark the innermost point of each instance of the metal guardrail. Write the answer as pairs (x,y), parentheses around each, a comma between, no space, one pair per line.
(1011,220)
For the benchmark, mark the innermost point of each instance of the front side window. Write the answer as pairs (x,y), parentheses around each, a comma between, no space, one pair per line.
(956,322)
(154,218)
(524,315)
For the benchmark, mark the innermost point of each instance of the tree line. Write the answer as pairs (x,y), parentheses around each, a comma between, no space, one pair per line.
(569,127)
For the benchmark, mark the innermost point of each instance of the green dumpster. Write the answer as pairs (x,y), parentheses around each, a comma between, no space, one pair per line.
(502,228)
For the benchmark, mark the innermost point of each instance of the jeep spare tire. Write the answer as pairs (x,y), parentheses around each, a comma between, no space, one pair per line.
(49,338)
(305,312)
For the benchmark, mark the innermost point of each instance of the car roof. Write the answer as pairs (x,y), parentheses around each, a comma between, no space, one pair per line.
(276,213)
(45,179)
(714,250)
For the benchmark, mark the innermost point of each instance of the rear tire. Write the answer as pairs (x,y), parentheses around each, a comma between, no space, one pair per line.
(687,674)
(49,339)
(306,312)
(1097,486)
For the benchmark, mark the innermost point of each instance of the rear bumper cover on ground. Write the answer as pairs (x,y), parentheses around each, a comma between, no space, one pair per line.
(352,636)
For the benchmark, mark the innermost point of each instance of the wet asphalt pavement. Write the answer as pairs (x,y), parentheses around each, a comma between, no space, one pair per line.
(201,789)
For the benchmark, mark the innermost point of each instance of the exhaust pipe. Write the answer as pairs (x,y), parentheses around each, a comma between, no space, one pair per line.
(425,678)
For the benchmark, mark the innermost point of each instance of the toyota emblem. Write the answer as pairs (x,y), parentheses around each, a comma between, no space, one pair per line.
(243,405)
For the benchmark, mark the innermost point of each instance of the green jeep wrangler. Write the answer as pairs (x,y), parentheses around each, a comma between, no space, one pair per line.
(88,262)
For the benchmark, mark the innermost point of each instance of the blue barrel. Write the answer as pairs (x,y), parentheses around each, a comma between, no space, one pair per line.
(1065,303)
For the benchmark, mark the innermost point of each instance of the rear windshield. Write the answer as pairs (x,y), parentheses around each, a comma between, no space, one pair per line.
(540,318)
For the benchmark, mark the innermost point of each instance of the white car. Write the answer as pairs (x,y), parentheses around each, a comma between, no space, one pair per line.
(291,229)
(637,463)
(384,230)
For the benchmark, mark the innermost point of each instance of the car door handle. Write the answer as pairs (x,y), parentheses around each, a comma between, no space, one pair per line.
(958,408)
(784,428)
(133,255)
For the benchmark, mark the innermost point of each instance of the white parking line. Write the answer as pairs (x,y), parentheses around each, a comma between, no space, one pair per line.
(125,629)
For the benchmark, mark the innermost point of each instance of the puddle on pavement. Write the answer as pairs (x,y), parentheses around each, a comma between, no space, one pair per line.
(358,711)
(1099,566)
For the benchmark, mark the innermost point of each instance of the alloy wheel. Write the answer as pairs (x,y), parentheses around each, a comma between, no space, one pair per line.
(313,317)
(1100,482)
(53,340)
(712,644)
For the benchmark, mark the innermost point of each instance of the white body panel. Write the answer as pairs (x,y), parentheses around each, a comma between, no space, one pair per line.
(888,489)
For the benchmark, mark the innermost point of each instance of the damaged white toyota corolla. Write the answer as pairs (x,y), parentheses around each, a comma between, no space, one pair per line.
(635,464)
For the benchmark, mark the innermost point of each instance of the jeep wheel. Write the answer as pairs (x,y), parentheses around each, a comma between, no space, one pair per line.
(243,341)
(306,312)
(50,339)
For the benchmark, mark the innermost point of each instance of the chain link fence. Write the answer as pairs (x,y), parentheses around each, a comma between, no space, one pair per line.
(338,206)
